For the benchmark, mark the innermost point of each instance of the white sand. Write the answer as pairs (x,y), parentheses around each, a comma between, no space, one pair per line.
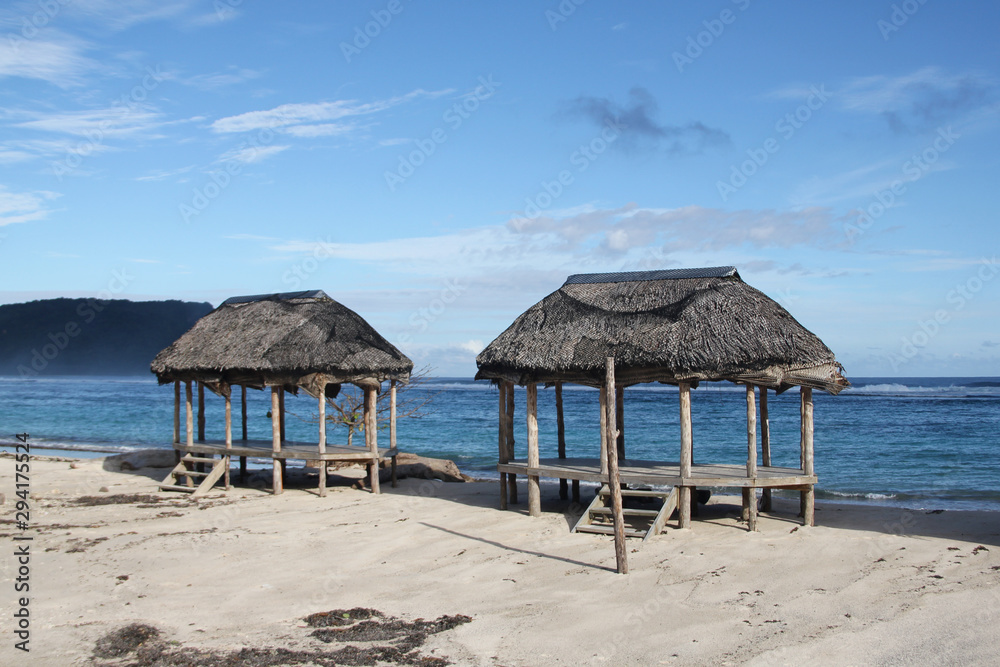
(865,586)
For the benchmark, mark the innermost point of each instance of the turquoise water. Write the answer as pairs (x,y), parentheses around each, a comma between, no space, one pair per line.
(915,442)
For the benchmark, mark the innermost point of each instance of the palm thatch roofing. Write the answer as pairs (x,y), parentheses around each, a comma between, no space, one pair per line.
(293,339)
(671,326)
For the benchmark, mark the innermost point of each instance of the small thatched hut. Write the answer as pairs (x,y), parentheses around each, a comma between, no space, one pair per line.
(680,327)
(286,342)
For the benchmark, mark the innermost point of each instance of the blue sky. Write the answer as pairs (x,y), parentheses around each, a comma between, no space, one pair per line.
(439,167)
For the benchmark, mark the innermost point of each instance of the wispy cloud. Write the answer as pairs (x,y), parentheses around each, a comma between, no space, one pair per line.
(639,127)
(58,59)
(295,118)
(23,206)
(252,154)
(217,80)
(115,121)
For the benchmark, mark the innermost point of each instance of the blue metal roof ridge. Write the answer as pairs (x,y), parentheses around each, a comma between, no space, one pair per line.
(277,296)
(640,276)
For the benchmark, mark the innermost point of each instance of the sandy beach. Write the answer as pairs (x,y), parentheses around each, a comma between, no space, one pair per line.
(240,571)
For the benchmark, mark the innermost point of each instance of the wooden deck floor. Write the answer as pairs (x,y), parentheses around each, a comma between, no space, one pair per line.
(664,473)
(289,450)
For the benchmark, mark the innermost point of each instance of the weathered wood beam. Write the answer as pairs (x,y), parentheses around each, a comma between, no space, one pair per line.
(808,497)
(534,490)
(229,431)
(620,420)
(750,493)
(189,414)
(603,400)
(684,497)
(371,436)
(614,483)
(177,412)
(561,438)
(502,441)
(277,481)
(392,431)
(201,412)
(322,440)
(765,446)
(511,478)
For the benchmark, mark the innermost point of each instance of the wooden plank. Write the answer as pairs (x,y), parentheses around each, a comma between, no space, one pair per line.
(371,436)
(534,491)
(612,530)
(603,402)
(229,432)
(614,483)
(392,429)
(666,511)
(502,440)
(585,518)
(808,497)
(765,446)
(281,412)
(277,483)
(561,438)
(201,412)
(687,454)
(189,414)
(511,479)
(217,472)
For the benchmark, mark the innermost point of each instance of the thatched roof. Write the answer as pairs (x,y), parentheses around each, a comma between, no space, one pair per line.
(668,326)
(295,339)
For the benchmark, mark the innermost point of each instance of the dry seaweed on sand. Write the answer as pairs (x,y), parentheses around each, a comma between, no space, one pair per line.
(117,499)
(375,639)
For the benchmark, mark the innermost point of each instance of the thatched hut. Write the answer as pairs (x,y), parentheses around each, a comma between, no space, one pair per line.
(288,341)
(680,327)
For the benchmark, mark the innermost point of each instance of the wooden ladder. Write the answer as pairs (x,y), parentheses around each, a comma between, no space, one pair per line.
(641,522)
(182,477)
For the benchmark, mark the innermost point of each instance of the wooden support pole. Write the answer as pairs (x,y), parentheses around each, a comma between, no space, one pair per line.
(511,478)
(281,412)
(685,496)
(371,436)
(808,497)
(243,410)
(750,493)
(534,490)
(614,483)
(603,399)
(189,415)
(322,440)
(392,431)
(561,438)
(277,480)
(765,447)
(201,412)
(502,441)
(620,420)
(177,412)
(229,430)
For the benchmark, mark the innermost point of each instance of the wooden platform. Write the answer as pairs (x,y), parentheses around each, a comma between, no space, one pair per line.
(664,473)
(305,451)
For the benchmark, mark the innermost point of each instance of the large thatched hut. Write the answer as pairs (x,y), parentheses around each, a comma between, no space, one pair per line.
(287,341)
(680,327)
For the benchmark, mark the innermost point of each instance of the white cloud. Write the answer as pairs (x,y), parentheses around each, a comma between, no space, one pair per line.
(252,154)
(23,206)
(122,14)
(231,77)
(96,124)
(58,60)
(321,130)
(473,346)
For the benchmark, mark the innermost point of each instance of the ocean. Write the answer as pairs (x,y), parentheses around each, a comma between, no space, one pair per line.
(921,443)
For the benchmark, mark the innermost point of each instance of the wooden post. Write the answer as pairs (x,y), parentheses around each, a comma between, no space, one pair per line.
(229,429)
(502,441)
(177,412)
(765,447)
(511,478)
(201,412)
(620,419)
(603,398)
(371,436)
(534,491)
(322,440)
(561,438)
(808,497)
(281,412)
(684,498)
(392,430)
(277,481)
(189,414)
(614,483)
(243,404)
(750,493)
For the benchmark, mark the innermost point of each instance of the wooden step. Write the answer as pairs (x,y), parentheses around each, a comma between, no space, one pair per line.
(198,459)
(636,493)
(175,487)
(609,530)
(626,511)
(191,473)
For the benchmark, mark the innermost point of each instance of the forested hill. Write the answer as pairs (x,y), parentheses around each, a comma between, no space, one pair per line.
(90,336)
